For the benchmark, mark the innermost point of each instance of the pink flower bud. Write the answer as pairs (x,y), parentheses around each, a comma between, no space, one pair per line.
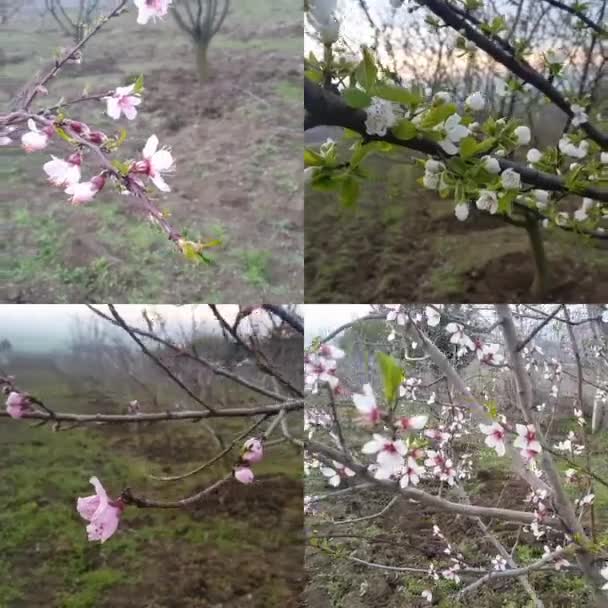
(244,475)
(75,159)
(78,127)
(252,451)
(96,137)
(17,404)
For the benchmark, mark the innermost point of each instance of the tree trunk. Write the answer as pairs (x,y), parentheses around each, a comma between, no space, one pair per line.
(202,64)
(540,284)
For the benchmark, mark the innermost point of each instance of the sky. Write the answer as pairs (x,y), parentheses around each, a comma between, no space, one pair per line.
(47,327)
(321,319)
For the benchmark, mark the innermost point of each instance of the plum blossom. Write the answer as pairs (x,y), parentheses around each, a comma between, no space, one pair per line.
(533,155)
(526,440)
(123,102)
(499,563)
(604,158)
(462,211)
(155,163)
(523,135)
(252,451)
(102,513)
(488,353)
(604,574)
(491,165)
(63,172)
(414,423)
(369,413)
(454,132)
(475,101)
(34,140)
(569,148)
(432,316)
(495,437)
(390,455)
(380,117)
(84,192)
(337,474)
(487,201)
(437,435)
(458,336)
(411,473)
(322,17)
(541,197)
(558,562)
(582,214)
(510,179)
(151,9)
(579,116)
(395,314)
(427,594)
(319,369)
(17,404)
(243,474)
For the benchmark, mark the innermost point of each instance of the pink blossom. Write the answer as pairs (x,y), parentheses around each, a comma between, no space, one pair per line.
(331,352)
(336,475)
(495,437)
(437,435)
(17,404)
(411,473)
(63,172)
(102,513)
(390,455)
(155,163)
(34,139)
(526,441)
(253,450)
(366,406)
(244,475)
(318,369)
(84,192)
(123,101)
(414,423)
(151,9)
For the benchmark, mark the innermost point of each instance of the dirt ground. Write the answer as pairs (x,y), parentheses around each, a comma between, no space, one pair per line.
(404,536)
(400,243)
(236,140)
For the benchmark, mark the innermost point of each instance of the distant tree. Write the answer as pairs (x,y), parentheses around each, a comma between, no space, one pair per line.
(73,23)
(201,20)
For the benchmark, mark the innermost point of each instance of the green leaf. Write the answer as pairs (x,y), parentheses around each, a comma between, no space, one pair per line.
(63,135)
(139,85)
(366,72)
(405,129)
(356,98)
(468,147)
(397,94)
(312,159)
(437,115)
(314,75)
(349,192)
(392,376)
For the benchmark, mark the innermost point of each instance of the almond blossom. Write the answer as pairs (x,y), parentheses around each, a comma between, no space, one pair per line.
(84,192)
(390,455)
(433,317)
(123,102)
(454,131)
(102,513)
(17,404)
(63,172)
(155,163)
(243,474)
(151,9)
(337,474)
(317,370)
(414,423)
(34,139)
(395,314)
(252,451)
(369,413)
(495,437)
(526,440)
(411,473)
